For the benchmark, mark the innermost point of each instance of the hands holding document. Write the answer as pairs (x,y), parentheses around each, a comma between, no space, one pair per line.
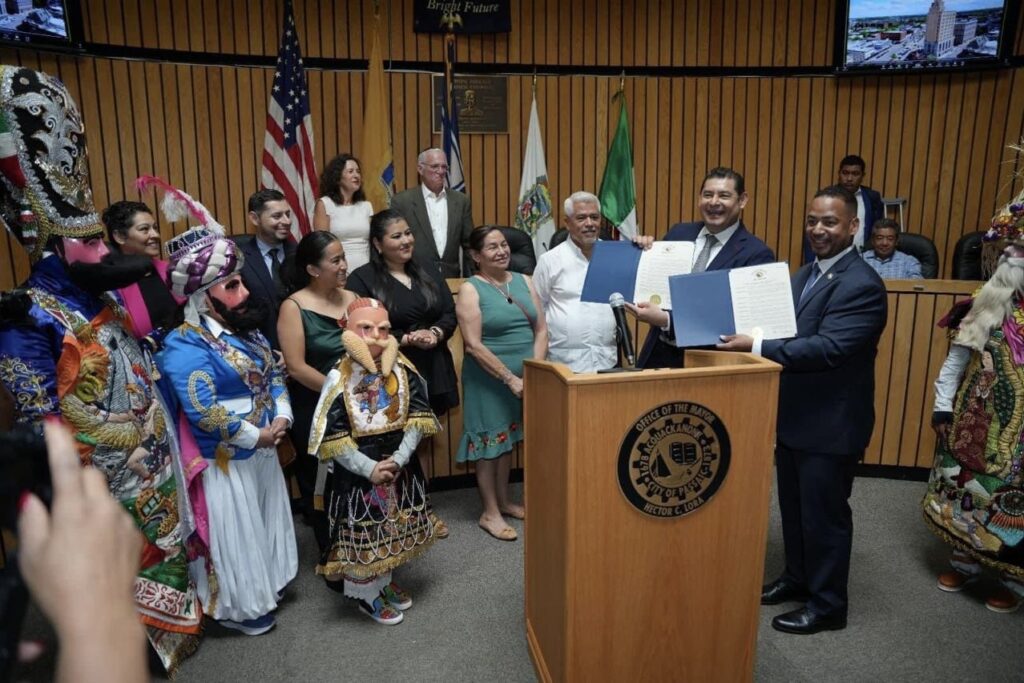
(640,275)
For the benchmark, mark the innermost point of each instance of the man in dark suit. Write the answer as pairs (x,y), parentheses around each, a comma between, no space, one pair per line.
(869,202)
(440,218)
(266,251)
(826,413)
(721,241)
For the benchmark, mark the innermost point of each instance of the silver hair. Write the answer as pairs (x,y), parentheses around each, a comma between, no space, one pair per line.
(993,303)
(579,197)
(422,158)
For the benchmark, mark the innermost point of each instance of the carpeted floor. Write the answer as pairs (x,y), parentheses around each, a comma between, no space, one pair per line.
(467,623)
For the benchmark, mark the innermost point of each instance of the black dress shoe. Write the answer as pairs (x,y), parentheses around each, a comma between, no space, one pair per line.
(780,590)
(805,622)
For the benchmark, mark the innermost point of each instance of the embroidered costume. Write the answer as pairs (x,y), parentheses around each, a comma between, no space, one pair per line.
(229,388)
(975,496)
(368,412)
(72,355)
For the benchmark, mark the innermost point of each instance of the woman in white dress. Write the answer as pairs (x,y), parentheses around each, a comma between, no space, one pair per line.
(343,210)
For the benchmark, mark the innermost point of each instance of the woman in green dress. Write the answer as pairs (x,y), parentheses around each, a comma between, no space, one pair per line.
(309,326)
(502,324)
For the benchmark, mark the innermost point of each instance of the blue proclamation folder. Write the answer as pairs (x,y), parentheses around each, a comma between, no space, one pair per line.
(613,266)
(701,307)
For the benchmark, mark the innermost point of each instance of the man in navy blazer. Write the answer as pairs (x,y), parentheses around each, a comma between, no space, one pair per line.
(826,412)
(271,219)
(722,198)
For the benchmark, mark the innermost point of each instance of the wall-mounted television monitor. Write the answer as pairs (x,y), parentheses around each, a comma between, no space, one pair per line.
(41,24)
(919,36)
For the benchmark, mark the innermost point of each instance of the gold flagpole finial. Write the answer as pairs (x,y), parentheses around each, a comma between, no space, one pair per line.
(534,81)
(622,81)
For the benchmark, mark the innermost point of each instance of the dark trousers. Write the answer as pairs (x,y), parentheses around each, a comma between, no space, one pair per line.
(817,524)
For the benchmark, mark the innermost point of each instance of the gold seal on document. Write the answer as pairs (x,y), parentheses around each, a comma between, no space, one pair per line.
(673,459)
(655,299)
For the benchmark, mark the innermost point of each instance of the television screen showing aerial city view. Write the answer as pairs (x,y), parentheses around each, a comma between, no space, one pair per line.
(921,34)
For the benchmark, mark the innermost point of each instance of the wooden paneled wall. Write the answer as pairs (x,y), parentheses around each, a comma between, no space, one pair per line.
(910,354)
(938,140)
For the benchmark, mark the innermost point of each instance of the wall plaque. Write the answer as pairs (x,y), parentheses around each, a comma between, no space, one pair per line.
(482,103)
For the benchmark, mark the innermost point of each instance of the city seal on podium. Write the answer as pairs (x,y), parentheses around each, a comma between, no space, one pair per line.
(673,459)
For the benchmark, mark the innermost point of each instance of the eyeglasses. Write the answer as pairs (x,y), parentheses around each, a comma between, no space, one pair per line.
(438,167)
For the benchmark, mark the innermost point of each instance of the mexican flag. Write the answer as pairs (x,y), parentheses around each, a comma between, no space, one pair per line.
(618,187)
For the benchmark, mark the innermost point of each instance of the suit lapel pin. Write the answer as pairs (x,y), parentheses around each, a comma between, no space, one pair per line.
(829,276)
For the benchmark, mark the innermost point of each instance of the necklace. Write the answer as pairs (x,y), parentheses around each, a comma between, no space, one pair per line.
(505,292)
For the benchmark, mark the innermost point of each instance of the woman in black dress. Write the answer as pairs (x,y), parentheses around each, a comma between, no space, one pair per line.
(420,306)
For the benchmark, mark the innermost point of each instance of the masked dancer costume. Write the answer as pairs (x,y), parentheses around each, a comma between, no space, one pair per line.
(233,395)
(975,498)
(69,353)
(372,413)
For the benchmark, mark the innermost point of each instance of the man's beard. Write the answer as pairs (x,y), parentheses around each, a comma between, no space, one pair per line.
(244,317)
(114,271)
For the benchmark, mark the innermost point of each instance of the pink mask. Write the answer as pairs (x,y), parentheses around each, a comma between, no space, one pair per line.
(84,249)
(232,293)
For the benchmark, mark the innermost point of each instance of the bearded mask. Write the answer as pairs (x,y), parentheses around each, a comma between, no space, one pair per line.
(367,336)
(232,302)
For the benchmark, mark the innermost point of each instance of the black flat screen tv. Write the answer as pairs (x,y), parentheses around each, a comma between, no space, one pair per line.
(41,24)
(919,36)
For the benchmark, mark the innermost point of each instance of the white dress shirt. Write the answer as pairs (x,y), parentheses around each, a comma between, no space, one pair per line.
(437,212)
(580,335)
(858,239)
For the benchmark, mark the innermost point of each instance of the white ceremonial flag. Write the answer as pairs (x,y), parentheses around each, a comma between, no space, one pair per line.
(533,214)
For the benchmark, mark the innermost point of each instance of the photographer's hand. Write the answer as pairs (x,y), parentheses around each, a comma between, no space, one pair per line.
(79,561)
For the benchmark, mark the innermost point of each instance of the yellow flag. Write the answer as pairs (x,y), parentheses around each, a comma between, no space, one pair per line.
(378,163)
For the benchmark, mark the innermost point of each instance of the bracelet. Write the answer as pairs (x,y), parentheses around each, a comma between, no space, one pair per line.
(437,332)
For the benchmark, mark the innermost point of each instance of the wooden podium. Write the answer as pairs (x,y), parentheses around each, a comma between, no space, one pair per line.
(614,593)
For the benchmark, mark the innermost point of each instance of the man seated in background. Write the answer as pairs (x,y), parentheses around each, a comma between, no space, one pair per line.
(884,257)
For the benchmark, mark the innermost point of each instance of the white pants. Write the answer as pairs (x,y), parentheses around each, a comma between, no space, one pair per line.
(252,539)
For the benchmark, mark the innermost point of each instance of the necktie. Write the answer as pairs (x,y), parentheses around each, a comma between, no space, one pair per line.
(701,264)
(815,274)
(275,267)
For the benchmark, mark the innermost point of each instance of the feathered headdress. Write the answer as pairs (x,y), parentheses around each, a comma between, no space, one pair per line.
(201,256)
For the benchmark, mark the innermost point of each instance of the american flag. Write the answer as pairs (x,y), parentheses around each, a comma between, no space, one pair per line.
(288,143)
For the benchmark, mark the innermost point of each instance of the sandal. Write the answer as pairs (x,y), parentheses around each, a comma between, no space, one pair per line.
(514,515)
(506,534)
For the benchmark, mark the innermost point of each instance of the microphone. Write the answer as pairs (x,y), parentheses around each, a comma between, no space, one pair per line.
(622,328)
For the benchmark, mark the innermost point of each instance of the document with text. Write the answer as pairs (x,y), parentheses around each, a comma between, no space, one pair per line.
(637,274)
(756,300)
